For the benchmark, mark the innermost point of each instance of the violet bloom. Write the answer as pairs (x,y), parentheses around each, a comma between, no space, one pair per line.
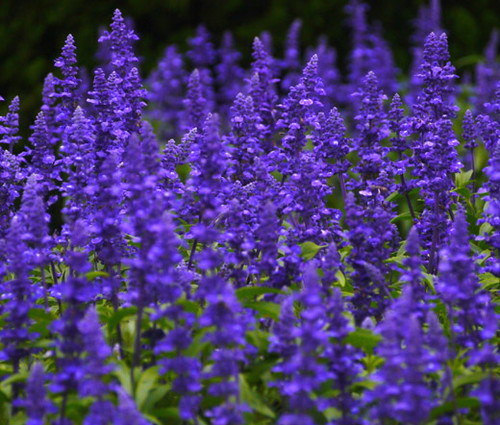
(126,413)
(225,314)
(435,157)
(244,138)
(67,87)
(470,309)
(166,92)
(492,211)
(78,163)
(331,143)
(9,126)
(369,53)
(43,159)
(374,168)
(96,354)
(300,371)
(488,393)
(291,63)
(106,214)
(19,295)
(207,178)
(195,104)
(329,73)
(229,75)
(11,176)
(121,40)
(412,274)
(187,368)
(371,235)
(36,403)
(75,292)
(261,88)
(343,360)
(203,57)
(428,20)
(403,393)
(298,112)
(487,74)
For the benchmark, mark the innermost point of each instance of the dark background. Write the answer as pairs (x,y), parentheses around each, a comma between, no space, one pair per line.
(32,33)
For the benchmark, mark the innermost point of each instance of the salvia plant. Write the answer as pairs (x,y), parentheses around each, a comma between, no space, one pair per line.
(277,245)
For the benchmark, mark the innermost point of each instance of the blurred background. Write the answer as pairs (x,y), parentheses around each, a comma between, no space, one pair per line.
(32,34)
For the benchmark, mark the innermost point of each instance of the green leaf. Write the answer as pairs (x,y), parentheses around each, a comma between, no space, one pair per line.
(154,396)
(146,383)
(119,315)
(472,378)
(122,372)
(364,339)
(403,216)
(97,273)
(448,407)
(462,179)
(249,292)
(309,249)
(253,399)
(266,309)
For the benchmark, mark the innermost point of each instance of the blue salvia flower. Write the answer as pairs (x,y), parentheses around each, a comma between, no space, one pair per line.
(343,360)
(492,210)
(374,168)
(49,109)
(43,159)
(487,74)
(203,57)
(78,163)
(369,53)
(207,177)
(9,126)
(121,41)
(229,75)
(195,104)
(166,92)
(371,235)
(301,373)
(330,143)
(230,322)
(291,63)
(244,138)
(126,413)
(261,88)
(267,233)
(36,403)
(412,274)
(11,176)
(403,393)
(428,20)
(488,393)
(470,310)
(187,383)
(106,214)
(19,294)
(298,112)
(329,73)
(75,292)
(435,158)
(96,354)
(66,88)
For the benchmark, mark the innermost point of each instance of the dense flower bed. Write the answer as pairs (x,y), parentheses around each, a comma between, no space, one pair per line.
(254,246)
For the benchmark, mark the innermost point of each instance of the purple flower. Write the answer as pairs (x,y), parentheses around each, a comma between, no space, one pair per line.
(291,63)
(9,125)
(166,92)
(36,403)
